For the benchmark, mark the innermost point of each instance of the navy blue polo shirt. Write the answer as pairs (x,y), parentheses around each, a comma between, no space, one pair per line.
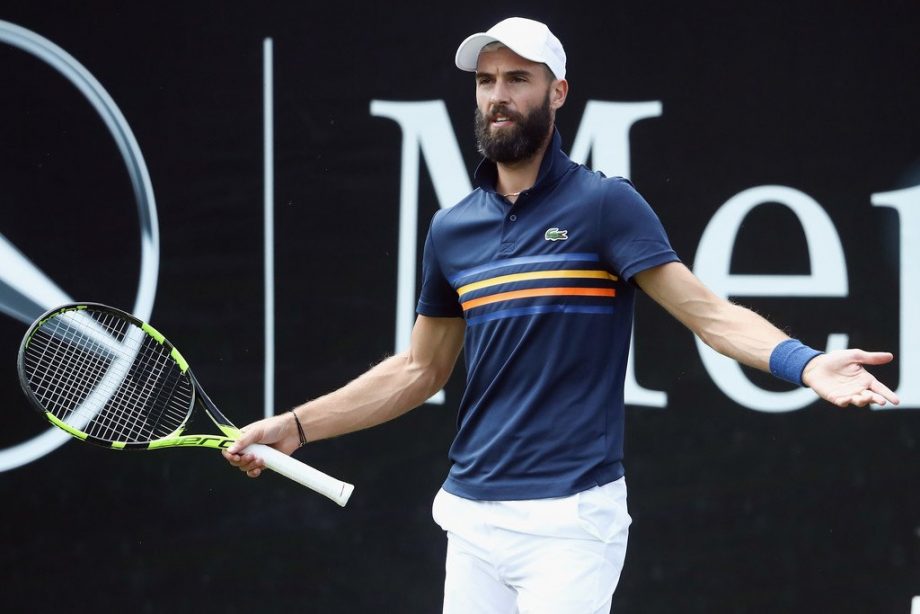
(544,287)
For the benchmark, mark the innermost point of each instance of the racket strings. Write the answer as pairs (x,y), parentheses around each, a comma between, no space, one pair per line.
(106,377)
(141,406)
(69,369)
(132,415)
(123,420)
(62,384)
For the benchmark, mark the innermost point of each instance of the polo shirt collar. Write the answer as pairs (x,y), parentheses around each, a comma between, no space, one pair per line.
(554,165)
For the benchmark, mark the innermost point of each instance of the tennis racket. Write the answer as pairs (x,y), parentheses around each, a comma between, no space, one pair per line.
(110,379)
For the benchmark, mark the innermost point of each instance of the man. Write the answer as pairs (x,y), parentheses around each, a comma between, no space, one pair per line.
(534,273)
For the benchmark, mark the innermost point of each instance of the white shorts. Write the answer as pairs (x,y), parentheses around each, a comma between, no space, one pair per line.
(558,556)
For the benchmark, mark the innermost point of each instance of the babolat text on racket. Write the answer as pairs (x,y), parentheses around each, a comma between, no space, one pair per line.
(108,378)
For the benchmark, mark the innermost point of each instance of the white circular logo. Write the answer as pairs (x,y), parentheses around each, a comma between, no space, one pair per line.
(26,291)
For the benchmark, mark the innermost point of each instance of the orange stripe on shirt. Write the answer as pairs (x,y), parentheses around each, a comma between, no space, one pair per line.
(532,292)
(548,274)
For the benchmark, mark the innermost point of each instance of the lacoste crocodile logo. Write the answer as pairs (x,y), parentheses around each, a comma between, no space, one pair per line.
(554,234)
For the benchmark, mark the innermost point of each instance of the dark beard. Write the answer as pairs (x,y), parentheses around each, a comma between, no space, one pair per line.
(521,142)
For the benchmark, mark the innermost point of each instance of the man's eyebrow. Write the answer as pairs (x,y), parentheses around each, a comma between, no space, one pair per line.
(521,72)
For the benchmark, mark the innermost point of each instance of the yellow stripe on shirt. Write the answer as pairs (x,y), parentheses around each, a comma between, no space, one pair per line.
(505,279)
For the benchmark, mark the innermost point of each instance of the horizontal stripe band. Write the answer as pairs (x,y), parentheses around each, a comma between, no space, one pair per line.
(538,309)
(552,274)
(497,264)
(535,292)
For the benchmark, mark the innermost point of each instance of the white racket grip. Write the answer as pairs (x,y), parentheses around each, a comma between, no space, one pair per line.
(302,473)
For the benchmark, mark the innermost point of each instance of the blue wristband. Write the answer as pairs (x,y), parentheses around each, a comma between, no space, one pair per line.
(789,358)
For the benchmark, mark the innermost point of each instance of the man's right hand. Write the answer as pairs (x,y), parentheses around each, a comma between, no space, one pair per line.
(277,432)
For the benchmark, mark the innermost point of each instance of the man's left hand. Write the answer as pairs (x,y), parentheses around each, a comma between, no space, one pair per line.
(840,378)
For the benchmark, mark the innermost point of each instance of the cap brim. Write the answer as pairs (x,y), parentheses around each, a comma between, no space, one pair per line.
(467,57)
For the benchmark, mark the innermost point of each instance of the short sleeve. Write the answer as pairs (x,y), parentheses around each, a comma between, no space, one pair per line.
(632,237)
(437,298)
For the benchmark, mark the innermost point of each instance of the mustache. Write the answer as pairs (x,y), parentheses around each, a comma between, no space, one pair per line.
(503,111)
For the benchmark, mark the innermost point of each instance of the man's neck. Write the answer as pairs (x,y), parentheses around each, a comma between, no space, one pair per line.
(517,177)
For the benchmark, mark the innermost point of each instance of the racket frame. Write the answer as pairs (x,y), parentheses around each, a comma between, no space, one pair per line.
(282,463)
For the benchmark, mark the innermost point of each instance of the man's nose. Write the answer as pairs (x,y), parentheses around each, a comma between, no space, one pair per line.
(499,94)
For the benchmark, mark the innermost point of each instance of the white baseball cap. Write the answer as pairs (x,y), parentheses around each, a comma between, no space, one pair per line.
(529,39)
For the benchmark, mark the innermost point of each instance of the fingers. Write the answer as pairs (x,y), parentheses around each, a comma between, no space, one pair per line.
(875,393)
(881,389)
(249,464)
(248,436)
(872,358)
(863,398)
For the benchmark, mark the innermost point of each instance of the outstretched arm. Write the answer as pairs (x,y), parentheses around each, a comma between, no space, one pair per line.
(741,334)
(388,390)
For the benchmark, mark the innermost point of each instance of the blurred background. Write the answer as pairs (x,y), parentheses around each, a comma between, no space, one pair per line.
(159,206)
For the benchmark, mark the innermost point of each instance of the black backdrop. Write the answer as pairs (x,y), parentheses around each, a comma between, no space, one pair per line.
(734,509)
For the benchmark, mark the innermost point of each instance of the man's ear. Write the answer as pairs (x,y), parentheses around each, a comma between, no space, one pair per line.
(559,89)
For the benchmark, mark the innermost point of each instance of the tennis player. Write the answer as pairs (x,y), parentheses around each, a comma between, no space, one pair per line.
(534,275)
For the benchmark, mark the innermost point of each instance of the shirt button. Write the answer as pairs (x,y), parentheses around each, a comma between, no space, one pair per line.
(512,217)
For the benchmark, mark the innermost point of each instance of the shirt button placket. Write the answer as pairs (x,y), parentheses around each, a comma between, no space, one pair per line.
(508,234)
